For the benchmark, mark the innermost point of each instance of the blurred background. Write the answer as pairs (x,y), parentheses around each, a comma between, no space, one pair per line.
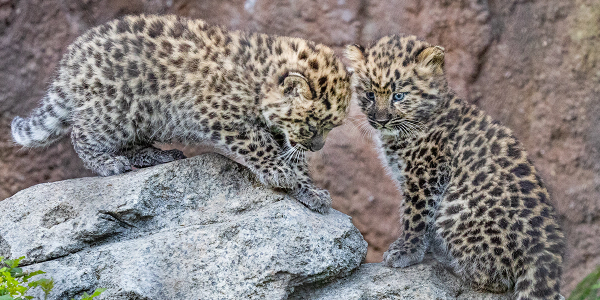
(533,65)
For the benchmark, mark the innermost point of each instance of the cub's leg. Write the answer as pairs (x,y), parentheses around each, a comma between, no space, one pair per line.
(417,220)
(265,158)
(98,154)
(147,156)
(306,192)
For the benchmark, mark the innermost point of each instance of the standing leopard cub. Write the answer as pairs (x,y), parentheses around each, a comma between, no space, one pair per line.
(471,196)
(141,80)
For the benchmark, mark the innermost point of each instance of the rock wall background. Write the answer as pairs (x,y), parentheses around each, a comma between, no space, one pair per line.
(532,64)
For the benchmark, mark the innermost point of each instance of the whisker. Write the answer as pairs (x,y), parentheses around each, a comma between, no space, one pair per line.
(354,125)
(286,156)
(295,155)
(366,130)
(407,128)
(301,155)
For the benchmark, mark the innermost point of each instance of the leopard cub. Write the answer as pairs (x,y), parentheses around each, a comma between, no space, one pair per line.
(471,196)
(261,99)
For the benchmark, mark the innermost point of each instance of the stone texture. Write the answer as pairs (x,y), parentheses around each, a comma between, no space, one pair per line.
(200,228)
(531,64)
(427,280)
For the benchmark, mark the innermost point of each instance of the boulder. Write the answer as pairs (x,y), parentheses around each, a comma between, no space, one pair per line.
(200,228)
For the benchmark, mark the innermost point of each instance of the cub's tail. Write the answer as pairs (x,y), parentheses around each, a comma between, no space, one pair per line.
(46,124)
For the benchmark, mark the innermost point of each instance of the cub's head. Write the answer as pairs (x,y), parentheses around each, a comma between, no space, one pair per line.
(309,96)
(398,82)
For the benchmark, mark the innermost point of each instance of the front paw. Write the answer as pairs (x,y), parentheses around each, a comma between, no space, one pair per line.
(113,166)
(399,256)
(316,199)
(175,154)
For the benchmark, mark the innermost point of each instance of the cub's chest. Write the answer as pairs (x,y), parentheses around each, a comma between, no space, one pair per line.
(420,160)
(415,151)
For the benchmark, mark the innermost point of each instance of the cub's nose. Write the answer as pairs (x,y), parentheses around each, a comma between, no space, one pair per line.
(382,122)
(316,143)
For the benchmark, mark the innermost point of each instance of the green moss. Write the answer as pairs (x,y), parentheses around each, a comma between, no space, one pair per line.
(588,288)
(14,283)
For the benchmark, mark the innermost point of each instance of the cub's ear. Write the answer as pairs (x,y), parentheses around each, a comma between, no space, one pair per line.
(295,85)
(432,58)
(356,55)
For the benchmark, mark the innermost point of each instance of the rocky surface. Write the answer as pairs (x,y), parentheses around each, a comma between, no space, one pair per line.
(531,64)
(199,228)
(427,280)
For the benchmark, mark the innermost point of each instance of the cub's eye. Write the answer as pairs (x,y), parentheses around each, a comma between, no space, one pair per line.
(398,97)
(370,96)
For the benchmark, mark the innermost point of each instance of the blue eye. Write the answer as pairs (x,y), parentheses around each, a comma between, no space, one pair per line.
(370,95)
(398,97)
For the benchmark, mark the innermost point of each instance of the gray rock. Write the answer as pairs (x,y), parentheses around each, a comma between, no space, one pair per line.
(200,228)
(425,281)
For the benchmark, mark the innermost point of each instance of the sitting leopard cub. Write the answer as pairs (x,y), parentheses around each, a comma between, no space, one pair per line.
(141,80)
(471,196)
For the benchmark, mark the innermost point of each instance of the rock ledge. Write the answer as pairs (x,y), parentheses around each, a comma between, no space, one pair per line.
(200,228)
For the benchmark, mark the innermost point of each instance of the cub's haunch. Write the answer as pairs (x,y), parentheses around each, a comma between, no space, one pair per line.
(471,196)
(125,85)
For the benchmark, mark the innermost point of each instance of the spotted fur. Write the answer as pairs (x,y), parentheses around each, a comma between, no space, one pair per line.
(125,85)
(471,196)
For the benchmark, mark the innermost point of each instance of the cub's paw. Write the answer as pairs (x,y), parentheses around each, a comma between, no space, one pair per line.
(399,256)
(175,154)
(151,156)
(113,166)
(316,199)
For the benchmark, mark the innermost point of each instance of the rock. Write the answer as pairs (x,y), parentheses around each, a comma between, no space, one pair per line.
(200,228)
(427,280)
